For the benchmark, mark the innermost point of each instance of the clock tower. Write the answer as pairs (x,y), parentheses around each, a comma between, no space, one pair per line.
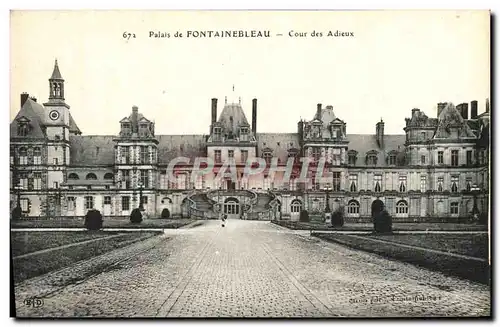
(57,124)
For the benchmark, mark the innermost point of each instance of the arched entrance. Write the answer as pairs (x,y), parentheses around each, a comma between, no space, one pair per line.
(377,207)
(232,208)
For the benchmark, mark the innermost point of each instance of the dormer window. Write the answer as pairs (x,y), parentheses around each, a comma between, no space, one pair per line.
(371,158)
(126,129)
(392,158)
(352,157)
(243,134)
(23,128)
(217,134)
(267,155)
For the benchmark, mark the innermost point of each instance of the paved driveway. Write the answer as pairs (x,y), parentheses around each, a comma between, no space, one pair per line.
(247,269)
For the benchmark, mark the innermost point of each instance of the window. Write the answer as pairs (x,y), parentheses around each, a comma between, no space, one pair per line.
(469,157)
(422,160)
(267,157)
(70,200)
(402,207)
(440,157)
(336,181)
(217,155)
(352,157)
(454,208)
(422,136)
(392,159)
(24,205)
(145,178)
(56,185)
(108,176)
(371,159)
(37,156)
(454,157)
(353,207)
(468,183)
(89,202)
(199,185)
(91,176)
(107,200)
(267,183)
(125,153)
(23,156)
(295,206)
(454,184)
(440,184)
(56,161)
(126,179)
(377,180)
(217,134)
(37,180)
(316,153)
(293,184)
(244,156)
(230,154)
(402,183)
(125,203)
(143,154)
(423,184)
(353,183)
(22,129)
(73,176)
(144,199)
(23,180)
(244,134)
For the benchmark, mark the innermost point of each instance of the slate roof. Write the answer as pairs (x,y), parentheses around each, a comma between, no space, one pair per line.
(363,143)
(171,146)
(279,143)
(234,111)
(92,150)
(56,74)
(73,128)
(34,112)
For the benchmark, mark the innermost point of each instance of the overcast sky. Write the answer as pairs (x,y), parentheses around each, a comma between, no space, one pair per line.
(396,61)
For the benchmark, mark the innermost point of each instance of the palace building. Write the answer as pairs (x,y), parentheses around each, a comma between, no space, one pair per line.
(436,170)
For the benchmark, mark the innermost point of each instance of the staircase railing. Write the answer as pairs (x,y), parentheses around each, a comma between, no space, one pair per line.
(192,210)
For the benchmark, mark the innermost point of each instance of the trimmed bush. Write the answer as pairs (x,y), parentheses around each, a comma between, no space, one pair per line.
(165,213)
(382,223)
(93,220)
(304,216)
(17,213)
(338,217)
(483,218)
(136,216)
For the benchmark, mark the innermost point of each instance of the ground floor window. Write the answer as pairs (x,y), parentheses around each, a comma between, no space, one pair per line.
(24,205)
(125,203)
(454,208)
(107,200)
(402,207)
(71,203)
(144,199)
(353,207)
(296,206)
(89,202)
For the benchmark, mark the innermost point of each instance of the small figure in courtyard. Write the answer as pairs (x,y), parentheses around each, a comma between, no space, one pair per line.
(224,217)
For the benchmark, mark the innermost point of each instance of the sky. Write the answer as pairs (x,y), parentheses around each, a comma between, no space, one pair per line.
(395,61)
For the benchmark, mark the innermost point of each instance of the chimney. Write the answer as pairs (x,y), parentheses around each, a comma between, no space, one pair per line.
(380,133)
(135,112)
(300,130)
(441,106)
(473,109)
(464,111)
(318,111)
(254,116)
(414,111)
(488,105)
(24,98)
(33,98)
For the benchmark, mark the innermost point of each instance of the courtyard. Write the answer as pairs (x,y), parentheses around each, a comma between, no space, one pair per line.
(246,269)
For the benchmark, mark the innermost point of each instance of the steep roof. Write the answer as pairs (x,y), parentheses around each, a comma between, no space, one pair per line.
(363,143)
(172,146)
(231,117)
(56,74)
(73,128)
(451,118)
(92,150)
(279,143)
(34,112)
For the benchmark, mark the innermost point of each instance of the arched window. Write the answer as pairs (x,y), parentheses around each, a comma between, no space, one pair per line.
(91,176)
(73,176)
(402,207)
(296,206)
(37,155)
(108,176)
(353,207)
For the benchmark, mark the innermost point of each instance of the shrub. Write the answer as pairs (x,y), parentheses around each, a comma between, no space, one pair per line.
(136,216)
(483,218)
(165,213)
(17,213)
(382,222)
(338,217)
(93,220)
(304,216)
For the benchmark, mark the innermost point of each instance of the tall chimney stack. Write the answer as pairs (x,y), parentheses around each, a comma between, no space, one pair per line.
(214,110)
(318,111)
(24,98)
(465,110)
(380,133)
(254,117)
(473,109)
(488,105)
(135,114)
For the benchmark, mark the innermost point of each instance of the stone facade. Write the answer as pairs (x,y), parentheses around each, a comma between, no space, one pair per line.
(435,171)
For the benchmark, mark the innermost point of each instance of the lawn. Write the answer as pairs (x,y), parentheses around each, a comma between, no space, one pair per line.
(107,223)
(41,263)
(369,227)
(471,245)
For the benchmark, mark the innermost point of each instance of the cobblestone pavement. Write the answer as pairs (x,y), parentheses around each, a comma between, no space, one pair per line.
(247,269)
